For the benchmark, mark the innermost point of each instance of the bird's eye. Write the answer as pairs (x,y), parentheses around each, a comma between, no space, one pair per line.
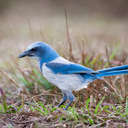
(33,49)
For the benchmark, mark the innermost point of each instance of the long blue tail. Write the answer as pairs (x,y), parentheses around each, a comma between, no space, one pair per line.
(113,71)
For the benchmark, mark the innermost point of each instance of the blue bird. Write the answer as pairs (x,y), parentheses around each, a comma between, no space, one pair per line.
(66,75)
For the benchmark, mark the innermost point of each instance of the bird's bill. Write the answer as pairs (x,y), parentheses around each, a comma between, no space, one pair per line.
(25,53)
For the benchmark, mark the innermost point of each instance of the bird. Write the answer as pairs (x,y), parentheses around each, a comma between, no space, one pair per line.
(64,74)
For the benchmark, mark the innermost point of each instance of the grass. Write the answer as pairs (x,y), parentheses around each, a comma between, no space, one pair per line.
(32,96)
(27,99)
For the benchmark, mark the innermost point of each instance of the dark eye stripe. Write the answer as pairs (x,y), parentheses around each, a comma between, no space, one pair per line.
(33,49)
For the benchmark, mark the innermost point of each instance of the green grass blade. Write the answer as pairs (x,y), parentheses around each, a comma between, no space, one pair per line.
(126,108)
(98,105)
(87,105)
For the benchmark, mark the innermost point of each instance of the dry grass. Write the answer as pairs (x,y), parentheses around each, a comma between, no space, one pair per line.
(28,100)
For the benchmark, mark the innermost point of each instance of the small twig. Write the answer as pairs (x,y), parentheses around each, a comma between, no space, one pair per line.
(91,101)
(42,94)
(107,54)
(10,79)
(20,122)
(110,85)
(68,37)
(2,122)
(122,86)
(98,125)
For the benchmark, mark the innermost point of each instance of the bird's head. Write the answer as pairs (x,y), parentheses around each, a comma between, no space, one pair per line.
(40,50)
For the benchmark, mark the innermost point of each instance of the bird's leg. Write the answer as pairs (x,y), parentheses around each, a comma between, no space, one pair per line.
(63,100)
(71,98)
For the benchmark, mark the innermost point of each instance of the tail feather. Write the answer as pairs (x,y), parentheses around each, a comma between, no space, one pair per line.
(112,73)
(118,68)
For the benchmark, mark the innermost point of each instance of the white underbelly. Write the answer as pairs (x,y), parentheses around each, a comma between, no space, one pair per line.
(64,82)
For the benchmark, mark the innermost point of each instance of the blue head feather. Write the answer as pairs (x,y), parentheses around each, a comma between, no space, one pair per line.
(43,52)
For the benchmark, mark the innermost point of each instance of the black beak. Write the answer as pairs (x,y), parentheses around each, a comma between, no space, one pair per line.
(25,53)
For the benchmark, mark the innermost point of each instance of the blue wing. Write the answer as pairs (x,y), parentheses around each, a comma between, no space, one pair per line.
(69,68)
